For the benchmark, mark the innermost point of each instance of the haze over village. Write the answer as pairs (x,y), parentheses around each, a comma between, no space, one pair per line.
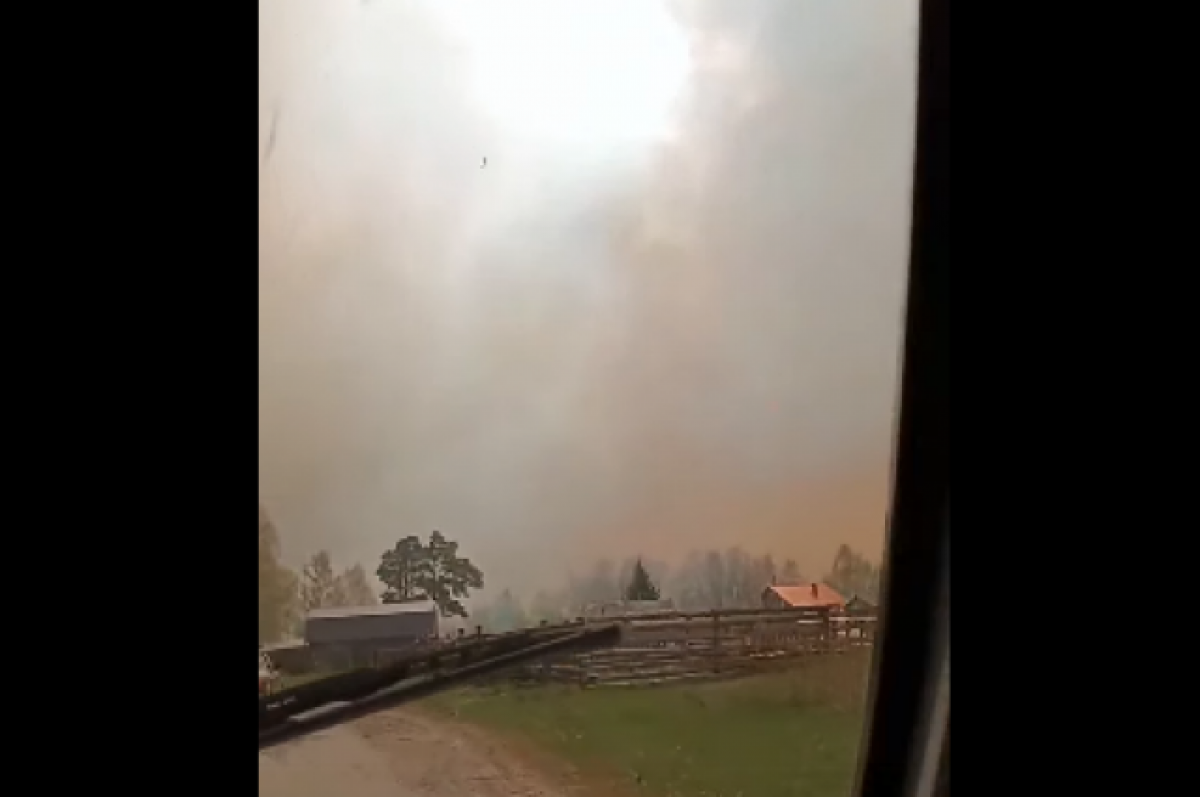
(594,348)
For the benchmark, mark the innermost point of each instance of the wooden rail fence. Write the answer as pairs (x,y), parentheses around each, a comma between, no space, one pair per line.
(671,647)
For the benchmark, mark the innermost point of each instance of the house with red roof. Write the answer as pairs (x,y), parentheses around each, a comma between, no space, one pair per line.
(802,596)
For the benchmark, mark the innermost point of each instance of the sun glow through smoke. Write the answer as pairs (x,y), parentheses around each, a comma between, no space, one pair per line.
(583,72)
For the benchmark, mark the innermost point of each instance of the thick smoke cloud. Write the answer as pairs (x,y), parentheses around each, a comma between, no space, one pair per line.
(578,352)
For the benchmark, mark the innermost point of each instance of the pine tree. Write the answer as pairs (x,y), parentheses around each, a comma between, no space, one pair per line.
(640,588)
(415,571)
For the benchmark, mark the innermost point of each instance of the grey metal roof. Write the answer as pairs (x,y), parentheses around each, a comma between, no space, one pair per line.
(382,610)
(409,621)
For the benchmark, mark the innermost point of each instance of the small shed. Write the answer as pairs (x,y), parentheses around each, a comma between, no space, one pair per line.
(860,606)
(804,596)
(355,636)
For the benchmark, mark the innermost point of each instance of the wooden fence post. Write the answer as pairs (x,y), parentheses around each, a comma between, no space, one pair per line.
(716,641)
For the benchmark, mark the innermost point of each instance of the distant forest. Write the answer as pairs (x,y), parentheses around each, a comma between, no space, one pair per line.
(703,580)
(434,570)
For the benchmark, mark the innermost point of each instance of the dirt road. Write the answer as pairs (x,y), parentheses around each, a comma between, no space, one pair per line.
(406,753)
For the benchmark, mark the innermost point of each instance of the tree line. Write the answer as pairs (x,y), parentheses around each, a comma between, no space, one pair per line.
(411,570)
(277,585)
(285,595)
(714,579)
(435,570)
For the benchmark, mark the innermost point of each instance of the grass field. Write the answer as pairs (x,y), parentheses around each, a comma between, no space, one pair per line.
(793,734)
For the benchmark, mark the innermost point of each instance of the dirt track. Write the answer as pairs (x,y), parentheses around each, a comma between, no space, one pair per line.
(404,753)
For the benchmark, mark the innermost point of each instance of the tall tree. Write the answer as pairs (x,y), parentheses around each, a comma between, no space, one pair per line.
(401,570)
(852,573)
(640,588)
(434,571)
(319,587)
(716,585)
(767,569)
(744,579)
(658,571)
(689,582)
(276,584)
(757,573)
(715,579)
(357,588)
(790,574)
(448,577)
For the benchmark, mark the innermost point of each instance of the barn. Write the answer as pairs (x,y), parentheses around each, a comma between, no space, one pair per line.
(355,636)
(803,596)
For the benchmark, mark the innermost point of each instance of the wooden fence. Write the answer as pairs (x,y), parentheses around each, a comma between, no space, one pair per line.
(670,647)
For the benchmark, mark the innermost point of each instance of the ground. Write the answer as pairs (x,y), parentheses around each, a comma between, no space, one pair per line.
(792,734)
(409,752)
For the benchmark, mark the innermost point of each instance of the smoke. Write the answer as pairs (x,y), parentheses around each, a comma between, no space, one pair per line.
(584,348)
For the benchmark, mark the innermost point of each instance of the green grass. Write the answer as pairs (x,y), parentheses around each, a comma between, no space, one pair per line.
(793,734)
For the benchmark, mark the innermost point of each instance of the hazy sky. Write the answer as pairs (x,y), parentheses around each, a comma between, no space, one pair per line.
(665,315)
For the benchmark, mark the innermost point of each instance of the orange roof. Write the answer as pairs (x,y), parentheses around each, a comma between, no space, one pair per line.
(809,595)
